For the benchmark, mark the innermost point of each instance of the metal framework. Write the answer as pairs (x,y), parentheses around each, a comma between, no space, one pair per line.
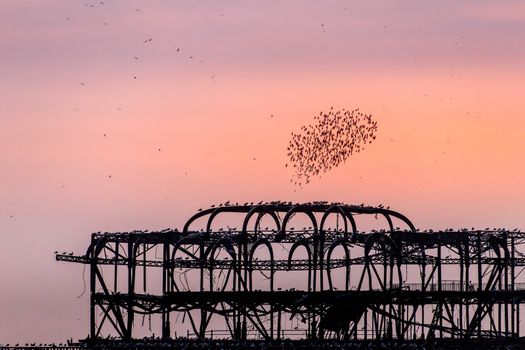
(336,278)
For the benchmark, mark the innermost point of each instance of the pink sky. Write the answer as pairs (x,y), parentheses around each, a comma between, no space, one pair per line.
(443,79)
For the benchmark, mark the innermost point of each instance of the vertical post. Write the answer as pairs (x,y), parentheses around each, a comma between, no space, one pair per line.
(202,328)
(320,252)
(512,287)
(480,281)
(467,283)
(144,260)
(271,304)
(92,285)
(461,286)
(234,288)
(165,289)
(245,268)
(518,305)
(115,285)
(384,322)
(506,276)
(131,285)
(239,289)
(423,281)
(279,324)
(499,301)
(366,324)
(440,289)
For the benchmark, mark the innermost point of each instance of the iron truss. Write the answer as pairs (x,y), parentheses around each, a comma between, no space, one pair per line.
(331,279)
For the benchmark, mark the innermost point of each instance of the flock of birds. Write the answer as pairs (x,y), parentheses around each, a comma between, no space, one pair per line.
(328,142)
(318,147)
(288,203)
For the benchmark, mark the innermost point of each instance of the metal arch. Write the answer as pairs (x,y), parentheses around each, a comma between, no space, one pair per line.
(220,210)
(312,270)
(400,217)
(99,245)
(383,211)
(299,209)
(389,220)
(350,217)
(178,244)
(302,242)
(259,242)
(260,210)
(212,216)
(210,252)
(195,217)
(393,253)
(226,243)
(336,209)
(229,209)
(333,210)
(345,243)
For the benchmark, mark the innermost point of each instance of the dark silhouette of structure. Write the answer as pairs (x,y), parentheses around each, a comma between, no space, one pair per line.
(336,278)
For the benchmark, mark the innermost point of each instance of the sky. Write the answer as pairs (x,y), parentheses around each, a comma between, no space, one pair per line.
(102,129)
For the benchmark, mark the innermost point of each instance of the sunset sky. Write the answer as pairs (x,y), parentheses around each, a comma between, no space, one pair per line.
(102,131)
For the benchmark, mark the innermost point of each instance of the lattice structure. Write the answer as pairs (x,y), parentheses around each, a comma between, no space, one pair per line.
(338,277)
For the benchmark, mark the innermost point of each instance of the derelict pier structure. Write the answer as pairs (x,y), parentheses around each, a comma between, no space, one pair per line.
(305,271)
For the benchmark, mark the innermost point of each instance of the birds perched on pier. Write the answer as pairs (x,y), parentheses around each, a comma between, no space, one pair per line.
(328,142)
